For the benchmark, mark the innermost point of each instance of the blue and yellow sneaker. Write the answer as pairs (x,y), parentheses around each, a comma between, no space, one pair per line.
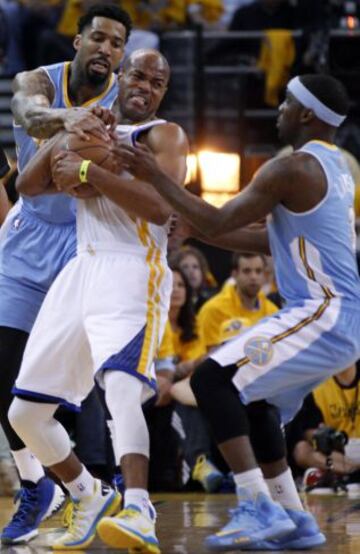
(36,503)
(130,529)
(85,515)
(252,521)
(207,474)
(306,535)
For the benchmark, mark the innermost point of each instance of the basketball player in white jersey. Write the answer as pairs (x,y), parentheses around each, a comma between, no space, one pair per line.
(106,310)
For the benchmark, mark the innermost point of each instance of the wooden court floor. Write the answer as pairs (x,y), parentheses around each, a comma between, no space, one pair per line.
(185,519)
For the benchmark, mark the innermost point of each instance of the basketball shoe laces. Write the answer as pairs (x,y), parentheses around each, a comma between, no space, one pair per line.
(129,513)
(77,523)
(245,507)
(25,512)
(67,515)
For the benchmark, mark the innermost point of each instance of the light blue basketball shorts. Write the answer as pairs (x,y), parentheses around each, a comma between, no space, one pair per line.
(283,357)
(32,253)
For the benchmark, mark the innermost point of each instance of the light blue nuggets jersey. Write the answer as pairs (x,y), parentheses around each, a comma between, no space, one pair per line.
(56,208)
(314,251)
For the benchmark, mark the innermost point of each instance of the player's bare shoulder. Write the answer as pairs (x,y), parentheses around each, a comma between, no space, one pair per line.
(168,136)
(305,166)
(33,82)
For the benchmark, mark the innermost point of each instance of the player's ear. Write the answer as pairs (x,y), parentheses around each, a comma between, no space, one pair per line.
(307,116)
(77,42)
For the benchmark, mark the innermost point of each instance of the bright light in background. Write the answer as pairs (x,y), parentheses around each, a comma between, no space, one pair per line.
(191,171)
(220,172)
(351,22)
(217,199)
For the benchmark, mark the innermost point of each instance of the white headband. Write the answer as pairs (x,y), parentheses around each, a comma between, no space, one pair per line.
(307,99)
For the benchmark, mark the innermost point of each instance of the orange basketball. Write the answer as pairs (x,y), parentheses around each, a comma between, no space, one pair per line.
(94,149)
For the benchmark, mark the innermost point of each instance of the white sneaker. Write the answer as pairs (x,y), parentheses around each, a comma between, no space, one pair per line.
(85,515)
(130,529)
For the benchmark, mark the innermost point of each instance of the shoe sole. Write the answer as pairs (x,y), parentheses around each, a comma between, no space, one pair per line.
(279,530)
(304,543)
(113,535)
(20,540)
(109,510)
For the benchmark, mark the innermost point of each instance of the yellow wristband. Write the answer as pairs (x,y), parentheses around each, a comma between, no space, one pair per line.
(84,170)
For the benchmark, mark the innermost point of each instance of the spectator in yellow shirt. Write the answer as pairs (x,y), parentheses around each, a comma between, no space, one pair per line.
(179,351)
(242,298)
(332,407)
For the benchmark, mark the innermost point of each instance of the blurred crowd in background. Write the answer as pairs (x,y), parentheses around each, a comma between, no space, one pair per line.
(209,304)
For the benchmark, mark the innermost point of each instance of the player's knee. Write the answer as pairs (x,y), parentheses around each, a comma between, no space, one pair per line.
(205,378)
(19,416)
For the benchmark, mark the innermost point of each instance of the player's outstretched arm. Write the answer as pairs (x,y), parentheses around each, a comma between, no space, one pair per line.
(31,107)
(250,239)
(267,189)
(241,240)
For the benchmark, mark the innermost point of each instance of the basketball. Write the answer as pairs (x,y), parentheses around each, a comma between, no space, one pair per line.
(94,149)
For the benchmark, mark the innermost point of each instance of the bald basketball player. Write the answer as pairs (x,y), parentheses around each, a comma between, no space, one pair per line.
(107,310)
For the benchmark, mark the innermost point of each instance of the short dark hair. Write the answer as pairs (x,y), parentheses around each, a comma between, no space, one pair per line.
(111,11)
(329,91)
(238,255)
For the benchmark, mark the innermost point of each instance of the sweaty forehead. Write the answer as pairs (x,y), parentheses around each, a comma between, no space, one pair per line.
(108,26)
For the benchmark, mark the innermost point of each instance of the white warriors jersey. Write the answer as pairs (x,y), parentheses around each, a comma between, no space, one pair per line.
(102,224)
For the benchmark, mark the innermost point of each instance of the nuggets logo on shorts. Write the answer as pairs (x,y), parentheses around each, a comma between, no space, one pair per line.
(259,350)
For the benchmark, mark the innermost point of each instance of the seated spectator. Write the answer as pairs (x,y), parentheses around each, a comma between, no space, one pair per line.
(241,297)
(179,352)
(173,13)
(196,268)
(316,439)
(182,349)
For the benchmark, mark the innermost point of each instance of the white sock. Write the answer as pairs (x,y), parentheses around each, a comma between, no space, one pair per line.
(82,486)
(29,467)
(250,482)
(139,498)
(283,490)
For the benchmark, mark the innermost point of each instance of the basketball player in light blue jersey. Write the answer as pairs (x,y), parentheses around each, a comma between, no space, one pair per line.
(39,237)
(308,198)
